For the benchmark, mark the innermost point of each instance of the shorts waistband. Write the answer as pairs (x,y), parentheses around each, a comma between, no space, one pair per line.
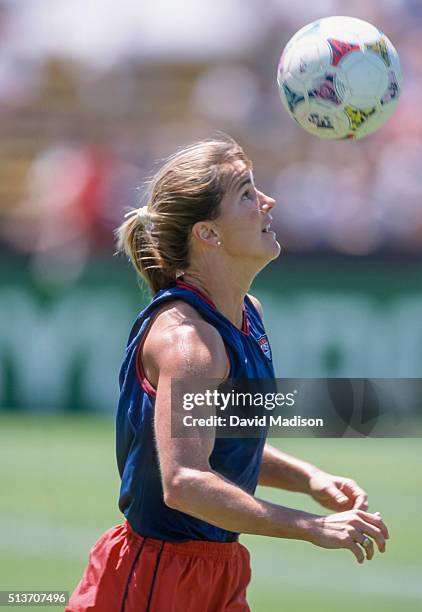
(200,548)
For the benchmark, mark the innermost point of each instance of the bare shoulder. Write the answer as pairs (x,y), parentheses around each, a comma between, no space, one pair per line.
(181,343)
(257,305)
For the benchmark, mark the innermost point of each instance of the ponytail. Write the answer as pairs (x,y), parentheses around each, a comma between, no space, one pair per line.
(135,238)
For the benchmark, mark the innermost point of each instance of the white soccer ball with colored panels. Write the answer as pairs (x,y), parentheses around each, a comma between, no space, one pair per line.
(339,77)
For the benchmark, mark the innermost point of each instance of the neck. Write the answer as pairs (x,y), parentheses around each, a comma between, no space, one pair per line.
(226,288)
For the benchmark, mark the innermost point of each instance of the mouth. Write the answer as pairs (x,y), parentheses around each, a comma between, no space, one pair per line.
(267,229)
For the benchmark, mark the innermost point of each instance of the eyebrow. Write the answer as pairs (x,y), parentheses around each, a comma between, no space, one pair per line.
(246,180)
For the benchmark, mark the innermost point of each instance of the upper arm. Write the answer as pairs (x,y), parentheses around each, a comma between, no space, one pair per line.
(257,305)
(186,351)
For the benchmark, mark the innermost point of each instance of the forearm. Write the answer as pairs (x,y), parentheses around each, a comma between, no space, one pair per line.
(283,471)
(211,498)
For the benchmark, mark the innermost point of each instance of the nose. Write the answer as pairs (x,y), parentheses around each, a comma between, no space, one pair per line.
(266,203)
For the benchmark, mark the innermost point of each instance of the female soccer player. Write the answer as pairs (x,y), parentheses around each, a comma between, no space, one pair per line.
(198,243)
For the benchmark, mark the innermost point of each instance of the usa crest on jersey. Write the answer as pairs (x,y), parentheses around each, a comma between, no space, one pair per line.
(265,346)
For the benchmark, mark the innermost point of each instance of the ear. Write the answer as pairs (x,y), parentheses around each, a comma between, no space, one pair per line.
(203,232)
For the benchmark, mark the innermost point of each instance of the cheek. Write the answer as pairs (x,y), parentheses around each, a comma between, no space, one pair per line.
(250,216)
(241,224)
(243,230)
(253,220)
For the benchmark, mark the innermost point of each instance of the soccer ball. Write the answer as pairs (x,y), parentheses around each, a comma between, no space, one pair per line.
(339,77)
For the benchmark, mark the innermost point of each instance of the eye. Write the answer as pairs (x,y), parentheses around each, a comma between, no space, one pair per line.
(248,194)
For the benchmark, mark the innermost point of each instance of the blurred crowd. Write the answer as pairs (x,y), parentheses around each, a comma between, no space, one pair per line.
(94,94)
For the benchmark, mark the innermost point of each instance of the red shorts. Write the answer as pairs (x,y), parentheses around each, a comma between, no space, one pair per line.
(129,573)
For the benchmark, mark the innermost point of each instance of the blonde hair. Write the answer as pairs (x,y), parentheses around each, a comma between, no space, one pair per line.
(188,188)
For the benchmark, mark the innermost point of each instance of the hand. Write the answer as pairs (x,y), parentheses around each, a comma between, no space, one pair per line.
(348,530)
(336,493)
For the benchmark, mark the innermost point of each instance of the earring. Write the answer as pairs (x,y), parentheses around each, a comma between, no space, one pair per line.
(218,243)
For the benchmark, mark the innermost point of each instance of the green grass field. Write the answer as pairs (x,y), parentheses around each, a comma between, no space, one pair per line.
(59,486)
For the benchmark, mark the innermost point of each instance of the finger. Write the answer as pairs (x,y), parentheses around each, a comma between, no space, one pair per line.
(374,533)
(360,538)
(382,525)
(358,495)
(337,495)
(357,551)
(368,548)
(361,503)
(375,519)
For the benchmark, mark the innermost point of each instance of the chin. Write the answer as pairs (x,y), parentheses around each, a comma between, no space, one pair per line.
(269,255)
(275,250)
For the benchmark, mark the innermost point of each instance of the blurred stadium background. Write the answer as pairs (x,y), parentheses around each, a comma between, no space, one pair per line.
(92,96)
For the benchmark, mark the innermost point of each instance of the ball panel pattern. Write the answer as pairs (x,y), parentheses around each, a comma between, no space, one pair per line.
(339,49)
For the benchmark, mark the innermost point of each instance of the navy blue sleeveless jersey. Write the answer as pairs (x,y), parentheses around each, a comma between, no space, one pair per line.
(239,460)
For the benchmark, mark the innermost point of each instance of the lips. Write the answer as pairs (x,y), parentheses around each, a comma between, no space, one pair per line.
(267,227)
